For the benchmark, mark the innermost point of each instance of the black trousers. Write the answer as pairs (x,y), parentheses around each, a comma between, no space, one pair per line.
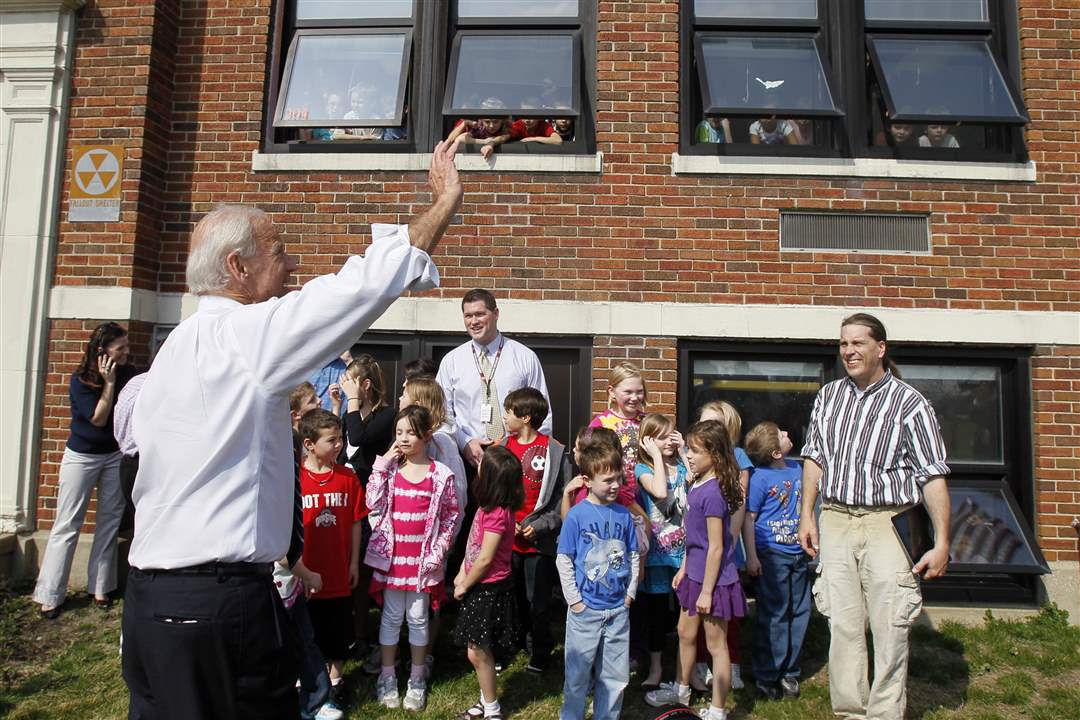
(208,647)
(535,576)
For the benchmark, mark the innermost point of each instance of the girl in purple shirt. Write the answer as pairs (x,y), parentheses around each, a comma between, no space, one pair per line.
(707,584)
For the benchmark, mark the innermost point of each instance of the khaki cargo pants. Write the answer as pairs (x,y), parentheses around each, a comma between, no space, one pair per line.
(864,575)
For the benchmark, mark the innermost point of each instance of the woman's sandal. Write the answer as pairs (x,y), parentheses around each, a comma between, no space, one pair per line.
(474,713)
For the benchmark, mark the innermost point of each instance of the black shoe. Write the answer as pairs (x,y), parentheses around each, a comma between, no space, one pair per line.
(769,691)
(538,664)
(51,614)
(790,687)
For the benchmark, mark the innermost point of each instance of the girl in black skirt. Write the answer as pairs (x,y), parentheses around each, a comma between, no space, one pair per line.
(487,621)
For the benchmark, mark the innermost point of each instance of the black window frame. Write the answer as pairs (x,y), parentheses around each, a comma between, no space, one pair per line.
(842,33)
(1015,472)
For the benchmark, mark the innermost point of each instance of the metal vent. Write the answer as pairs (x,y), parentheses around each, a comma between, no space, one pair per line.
(862,232)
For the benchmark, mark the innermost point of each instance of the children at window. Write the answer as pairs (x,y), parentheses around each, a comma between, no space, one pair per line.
(770,131)
(714,130)
(564,127)
(938,136)
(489,132)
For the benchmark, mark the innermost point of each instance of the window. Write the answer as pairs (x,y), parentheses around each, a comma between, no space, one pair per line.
(920,79)
(982,403)
(395,75)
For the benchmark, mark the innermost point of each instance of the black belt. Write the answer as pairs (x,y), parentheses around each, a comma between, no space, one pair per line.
(217,568)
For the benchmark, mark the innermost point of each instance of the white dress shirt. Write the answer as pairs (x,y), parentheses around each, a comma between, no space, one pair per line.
(215,479)
(459,377)
(122,412)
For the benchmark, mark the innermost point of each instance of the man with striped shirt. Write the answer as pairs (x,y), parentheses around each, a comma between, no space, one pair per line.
(873,449)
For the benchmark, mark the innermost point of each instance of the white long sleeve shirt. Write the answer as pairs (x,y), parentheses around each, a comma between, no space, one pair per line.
(211,422)
(459,378)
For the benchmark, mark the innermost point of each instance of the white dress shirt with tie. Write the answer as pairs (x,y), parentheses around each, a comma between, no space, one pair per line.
(459,377)
(215,479)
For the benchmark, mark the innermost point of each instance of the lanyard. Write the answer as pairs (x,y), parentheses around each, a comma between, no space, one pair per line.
(486,380)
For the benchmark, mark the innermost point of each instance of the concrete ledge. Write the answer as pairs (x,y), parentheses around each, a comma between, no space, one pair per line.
(30,547)
(419,162)
(851,167)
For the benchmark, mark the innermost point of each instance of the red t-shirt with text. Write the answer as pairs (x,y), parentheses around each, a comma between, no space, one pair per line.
(533,457)
(333,501)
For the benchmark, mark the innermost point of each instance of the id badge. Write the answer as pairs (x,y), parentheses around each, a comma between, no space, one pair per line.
(485,413)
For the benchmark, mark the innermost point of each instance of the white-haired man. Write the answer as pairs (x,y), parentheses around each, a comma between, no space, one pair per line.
(204,633)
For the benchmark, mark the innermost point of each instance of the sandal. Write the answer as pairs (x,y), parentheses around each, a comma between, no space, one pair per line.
(476,712)
(103,604)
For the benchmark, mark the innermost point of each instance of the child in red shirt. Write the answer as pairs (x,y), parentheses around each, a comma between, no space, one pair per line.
(334,509)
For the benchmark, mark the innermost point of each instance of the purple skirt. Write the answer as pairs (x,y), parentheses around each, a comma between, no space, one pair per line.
(728,601)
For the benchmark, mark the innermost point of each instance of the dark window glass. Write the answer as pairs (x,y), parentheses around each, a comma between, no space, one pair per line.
(344,80)
(763,75)
(513,72)
(776,390)
(987,529)
(756,9)
(352,10)
(935,79)
(517,9)
(967,401)
(926,10)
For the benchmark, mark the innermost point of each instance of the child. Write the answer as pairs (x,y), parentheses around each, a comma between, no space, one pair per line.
(707,584)
(369,419)
(417,505)
(484,585)
(726,413)
(333,510)
(598,569)
(488,132)
(770,131)
(627,397)
(545,470)
(938,136)
(565,128)
(773,553)
(535,130)
(713,130)
(661,476)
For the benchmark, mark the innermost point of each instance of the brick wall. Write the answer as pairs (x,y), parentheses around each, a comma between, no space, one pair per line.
(181,84)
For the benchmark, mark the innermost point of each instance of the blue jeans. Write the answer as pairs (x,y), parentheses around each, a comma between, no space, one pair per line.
(597,639)
(783,612)
(314,681)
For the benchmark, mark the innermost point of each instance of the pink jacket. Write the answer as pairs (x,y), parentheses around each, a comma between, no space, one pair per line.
(438,527)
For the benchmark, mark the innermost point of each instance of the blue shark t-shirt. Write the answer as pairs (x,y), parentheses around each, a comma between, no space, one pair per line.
(599,539)
(776,497)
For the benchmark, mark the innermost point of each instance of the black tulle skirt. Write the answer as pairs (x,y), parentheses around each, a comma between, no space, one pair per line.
(488,618)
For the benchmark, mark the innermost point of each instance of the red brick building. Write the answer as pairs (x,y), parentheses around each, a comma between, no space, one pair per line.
(723,269)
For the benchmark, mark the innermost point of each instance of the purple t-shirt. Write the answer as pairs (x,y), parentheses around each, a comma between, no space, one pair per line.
(707,501)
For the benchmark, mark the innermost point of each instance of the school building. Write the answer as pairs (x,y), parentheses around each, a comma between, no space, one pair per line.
(918,160)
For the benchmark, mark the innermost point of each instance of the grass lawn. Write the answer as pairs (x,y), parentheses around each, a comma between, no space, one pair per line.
(69,668)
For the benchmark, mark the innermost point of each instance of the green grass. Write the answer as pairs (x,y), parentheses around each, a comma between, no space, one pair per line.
(69,668)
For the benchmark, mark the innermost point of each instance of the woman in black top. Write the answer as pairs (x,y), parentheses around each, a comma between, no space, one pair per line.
(369,420)
(91,459)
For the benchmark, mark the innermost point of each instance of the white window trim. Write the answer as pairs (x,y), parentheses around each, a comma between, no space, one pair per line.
(851,167)
(409,162)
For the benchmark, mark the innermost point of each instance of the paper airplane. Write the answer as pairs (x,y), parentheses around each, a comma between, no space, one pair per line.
(770,84)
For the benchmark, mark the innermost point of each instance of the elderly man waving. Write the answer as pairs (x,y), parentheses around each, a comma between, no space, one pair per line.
(204,633)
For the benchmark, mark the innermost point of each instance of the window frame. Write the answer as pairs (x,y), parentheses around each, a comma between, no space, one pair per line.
(1015,472)
(354,22)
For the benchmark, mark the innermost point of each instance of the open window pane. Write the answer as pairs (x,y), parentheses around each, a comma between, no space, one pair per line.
(765,75)
(517,9)
(937,11)
(777,390)
(967,401)
(344,80)
(352,10)
(512,73)
(755,9)
(946,80)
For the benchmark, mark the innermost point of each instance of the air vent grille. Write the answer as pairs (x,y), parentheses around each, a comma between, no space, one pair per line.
(861,232)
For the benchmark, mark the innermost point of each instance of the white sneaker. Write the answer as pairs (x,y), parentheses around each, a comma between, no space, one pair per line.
(668,694)
(701,677)
(707,713)
(416,695)
(736,677)
(387,693)
(329,711)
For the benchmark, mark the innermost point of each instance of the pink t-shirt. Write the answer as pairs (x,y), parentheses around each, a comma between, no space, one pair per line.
(500,521)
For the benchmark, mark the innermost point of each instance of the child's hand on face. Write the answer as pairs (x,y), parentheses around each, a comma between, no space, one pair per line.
(648,443)
(677,441)
(394,453)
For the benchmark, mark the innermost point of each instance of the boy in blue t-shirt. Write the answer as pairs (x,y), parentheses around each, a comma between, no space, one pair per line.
(774,555)
(598,568)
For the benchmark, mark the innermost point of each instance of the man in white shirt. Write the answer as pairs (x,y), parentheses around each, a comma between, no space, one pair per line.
(478,375)
(204,633)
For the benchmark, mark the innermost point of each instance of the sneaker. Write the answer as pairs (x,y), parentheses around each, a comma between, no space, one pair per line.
(701,678)
(373,664)
(768,691)
(707,713)
(329,711)
(416,695)
(736,677)
(668,694)
(790,686)
(386,691)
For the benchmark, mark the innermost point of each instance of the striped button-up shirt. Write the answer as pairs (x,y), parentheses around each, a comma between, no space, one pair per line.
(876,447)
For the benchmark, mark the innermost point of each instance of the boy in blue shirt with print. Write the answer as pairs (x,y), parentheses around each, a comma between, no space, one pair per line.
(774,555)
(598,568)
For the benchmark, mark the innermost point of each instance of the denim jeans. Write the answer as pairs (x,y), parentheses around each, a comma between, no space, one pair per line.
(597,645)
(783,612)
(314,681)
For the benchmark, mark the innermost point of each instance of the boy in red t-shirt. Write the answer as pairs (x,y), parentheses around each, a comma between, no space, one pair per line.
(545,469)
(334,509)
(535,130)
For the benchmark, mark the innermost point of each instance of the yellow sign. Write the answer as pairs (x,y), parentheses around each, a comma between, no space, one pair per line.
(96,176)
